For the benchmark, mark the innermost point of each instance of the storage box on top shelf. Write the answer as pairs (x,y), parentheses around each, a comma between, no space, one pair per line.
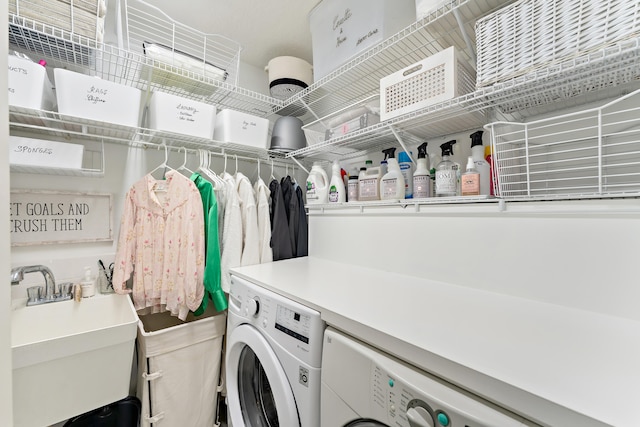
(435,79)
(29,85)
(529,35)
(96,99)
(172,113)
(44,153)
(341,29)
(241,128)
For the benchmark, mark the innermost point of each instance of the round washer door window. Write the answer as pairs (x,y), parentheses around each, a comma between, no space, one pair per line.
(259,394)
(365,422)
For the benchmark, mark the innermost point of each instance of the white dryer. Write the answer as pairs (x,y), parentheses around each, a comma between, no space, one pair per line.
(364,387)
(273,356)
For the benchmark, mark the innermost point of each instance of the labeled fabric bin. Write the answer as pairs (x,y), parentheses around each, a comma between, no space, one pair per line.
(179,368)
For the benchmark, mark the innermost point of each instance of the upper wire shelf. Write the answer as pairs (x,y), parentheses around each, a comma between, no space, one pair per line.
(69,50)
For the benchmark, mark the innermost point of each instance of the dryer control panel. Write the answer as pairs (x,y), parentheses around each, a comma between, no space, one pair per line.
(378,386)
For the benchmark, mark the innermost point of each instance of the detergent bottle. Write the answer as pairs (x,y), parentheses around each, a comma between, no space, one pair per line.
(317,185)
(336,185)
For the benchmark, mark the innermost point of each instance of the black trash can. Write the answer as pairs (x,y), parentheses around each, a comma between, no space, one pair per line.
(123,413)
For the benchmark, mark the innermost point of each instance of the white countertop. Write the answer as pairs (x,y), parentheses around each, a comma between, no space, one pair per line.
(555,365)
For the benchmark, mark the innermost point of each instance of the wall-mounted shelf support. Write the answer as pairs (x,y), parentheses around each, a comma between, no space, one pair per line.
(401,142)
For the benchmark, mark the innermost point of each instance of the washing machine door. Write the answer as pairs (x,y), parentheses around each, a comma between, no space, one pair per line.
(258,392)
(365,422)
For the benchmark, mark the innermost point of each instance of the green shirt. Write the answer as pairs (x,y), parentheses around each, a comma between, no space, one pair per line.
(212,269)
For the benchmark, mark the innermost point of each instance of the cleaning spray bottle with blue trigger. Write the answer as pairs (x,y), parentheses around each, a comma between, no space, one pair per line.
(392,183)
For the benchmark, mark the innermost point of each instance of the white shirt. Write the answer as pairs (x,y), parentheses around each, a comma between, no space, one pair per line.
(264,221)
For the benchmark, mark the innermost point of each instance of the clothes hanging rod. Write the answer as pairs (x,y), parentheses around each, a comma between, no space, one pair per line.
(281,162)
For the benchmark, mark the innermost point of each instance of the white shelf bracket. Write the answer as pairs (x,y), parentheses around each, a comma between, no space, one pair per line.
(299,164)
(401,142)
(465,36)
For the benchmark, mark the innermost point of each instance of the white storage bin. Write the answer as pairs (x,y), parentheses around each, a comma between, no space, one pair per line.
(40,152)
(340,29)
(241,128)
(29,85)
(435,79)
(92,98)
(530,35)
(172,113)
(179,368)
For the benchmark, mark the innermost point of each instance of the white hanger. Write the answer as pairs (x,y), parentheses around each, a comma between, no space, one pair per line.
(183,166)
(164,164)
(272,175)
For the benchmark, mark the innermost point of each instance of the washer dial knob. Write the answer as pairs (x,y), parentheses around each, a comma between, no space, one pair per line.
(253,307)
(419,417)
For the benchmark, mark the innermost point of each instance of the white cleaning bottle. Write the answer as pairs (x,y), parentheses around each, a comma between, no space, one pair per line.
(481,165)
(336,186)
(317,185)
(392,183)
(422,175)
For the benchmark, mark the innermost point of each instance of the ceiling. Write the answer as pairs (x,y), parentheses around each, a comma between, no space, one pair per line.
(265,28)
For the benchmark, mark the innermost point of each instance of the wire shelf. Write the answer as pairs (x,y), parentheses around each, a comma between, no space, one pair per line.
(53,125)
(593,152)
(67,50)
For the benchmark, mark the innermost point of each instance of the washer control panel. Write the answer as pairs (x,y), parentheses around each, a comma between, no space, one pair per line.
(294,326)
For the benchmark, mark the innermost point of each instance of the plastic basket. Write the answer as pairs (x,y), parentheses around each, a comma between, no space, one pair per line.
(595,152)
(532,34)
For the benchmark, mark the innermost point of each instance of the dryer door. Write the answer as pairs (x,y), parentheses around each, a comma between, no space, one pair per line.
(258,392)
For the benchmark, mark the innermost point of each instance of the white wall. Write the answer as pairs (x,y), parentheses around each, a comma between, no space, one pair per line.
(123,166)
(580,254)
(6,401)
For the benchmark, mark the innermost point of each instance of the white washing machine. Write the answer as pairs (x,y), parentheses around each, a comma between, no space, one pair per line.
(363,387)
(273,357)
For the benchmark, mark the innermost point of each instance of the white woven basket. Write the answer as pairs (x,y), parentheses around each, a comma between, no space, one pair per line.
(531,34)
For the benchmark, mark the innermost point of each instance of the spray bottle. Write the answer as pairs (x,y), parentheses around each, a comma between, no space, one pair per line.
(470,185)
(392,183)
(406,167)
(336,186)
(481,165)
(422,175)
(447,172)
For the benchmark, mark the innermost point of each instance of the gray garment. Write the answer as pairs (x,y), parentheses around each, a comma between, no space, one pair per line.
(302,236)
(291,201)
(280,236)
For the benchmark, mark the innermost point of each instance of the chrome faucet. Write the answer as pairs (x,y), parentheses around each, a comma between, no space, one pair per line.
(50,294)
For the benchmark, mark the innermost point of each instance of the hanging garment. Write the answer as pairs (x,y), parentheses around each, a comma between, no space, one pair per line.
(161,242)
(290,204)
(212,271)
(264,221)
(280,239)
(302,246)
(293,216)
(232,235)
(249,212)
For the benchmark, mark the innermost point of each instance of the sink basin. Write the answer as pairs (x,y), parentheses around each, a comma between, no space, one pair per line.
(70,357)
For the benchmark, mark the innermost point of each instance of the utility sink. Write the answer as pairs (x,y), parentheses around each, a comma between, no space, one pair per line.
(70,357)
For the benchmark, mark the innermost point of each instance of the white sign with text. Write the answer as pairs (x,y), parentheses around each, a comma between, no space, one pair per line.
(44,217)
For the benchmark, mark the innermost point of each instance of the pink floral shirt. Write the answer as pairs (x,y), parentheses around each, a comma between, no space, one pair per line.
(162,243)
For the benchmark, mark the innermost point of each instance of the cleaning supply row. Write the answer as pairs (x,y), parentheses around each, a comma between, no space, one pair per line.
(396,179)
